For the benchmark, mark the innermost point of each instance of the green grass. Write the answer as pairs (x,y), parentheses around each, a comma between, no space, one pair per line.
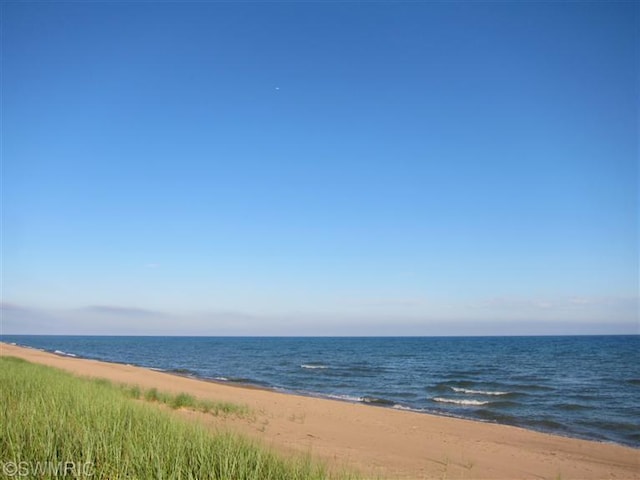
(183,400)
(48,417)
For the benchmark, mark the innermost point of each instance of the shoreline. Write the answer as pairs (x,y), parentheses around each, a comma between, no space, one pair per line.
(373,402)
(387,442)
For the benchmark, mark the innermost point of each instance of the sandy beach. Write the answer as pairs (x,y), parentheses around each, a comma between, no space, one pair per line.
(378,442)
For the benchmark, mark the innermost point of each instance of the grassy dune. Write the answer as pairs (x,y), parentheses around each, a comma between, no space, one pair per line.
(49,417)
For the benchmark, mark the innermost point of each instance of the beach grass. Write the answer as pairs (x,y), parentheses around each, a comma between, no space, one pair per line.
(183,400)
(51,419)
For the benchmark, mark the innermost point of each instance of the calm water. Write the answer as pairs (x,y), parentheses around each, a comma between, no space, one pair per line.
(586,387)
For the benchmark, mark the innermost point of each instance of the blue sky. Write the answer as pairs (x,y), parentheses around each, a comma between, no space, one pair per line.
(320,167)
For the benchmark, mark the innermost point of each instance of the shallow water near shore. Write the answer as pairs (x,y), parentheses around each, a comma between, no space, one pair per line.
(583,386)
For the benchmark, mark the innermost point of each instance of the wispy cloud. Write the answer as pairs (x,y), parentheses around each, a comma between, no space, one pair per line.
(11,307)
(555,302)
(119,310)
(575,309)
(494,316)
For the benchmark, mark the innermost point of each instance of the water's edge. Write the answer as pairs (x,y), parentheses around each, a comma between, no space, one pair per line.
(482,400)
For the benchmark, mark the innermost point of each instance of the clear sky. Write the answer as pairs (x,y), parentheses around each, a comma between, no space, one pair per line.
(407,168)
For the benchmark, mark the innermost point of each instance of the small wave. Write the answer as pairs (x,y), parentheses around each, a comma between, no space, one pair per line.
(457,383)
(464,373)
(533,387)
(221,379)
(366,370)
(477,392)
(313,367)
(447,386)
(504,404)
(440,387)
(546,423)
(634,381)
(610,426)
(183,371)
(494,416)
(378,401)
(65,354)
(572,407)
(383,402)
(349,398)
(397,406)
(456,401)
(243,380)
(634,439)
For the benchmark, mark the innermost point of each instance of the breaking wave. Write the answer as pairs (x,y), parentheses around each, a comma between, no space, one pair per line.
(456,401)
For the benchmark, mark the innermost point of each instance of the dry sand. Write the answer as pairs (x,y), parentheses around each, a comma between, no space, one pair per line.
(378,442)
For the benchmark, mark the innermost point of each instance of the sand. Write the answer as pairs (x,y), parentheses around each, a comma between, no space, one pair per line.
(377,442)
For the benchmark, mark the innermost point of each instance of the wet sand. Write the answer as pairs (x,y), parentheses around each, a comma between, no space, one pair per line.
(378,442)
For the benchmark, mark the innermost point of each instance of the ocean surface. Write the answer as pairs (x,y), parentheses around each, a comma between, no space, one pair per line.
(583,386)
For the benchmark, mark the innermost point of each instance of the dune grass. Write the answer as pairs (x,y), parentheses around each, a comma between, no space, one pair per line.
(182,400)
(49,417)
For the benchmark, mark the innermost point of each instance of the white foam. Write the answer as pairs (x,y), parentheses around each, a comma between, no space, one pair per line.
(477,392)
(459,402)
(313,367)
(349,398)
(222,379)
(397,406)
(60,352)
